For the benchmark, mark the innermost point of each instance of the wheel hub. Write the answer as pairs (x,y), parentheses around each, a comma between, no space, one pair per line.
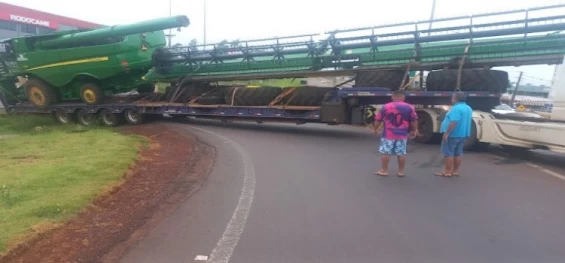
(132,115)
(89,95)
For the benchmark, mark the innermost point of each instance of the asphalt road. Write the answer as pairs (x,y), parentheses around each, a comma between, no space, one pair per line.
(286,193)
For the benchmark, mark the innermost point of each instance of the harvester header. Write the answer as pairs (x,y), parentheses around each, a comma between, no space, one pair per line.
(115,31)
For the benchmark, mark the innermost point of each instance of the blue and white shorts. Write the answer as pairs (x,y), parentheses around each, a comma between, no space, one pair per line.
(393,147)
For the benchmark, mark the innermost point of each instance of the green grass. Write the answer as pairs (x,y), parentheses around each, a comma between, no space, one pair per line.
(49,175)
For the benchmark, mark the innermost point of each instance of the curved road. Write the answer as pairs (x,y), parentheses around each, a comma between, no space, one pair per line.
(308,194)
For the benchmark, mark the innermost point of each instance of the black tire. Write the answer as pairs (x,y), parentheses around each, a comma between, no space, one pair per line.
(306,96)
(146,88)
(109,119)
(211,100)
(64,117)
(133,117)
(471,80)
(252,96)
(84,118)
(218,91)
(426,129)
(40,94)
(186,91)
(229,94)
(91,93)
(390,79)
(472,143)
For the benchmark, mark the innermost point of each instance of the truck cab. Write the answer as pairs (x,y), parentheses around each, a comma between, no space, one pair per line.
(557,94)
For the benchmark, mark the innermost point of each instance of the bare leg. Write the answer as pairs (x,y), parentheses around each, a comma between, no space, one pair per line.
(448,166)
(456,164)
(401,164)
(385,159)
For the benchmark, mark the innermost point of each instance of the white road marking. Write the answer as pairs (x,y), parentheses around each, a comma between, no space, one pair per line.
(547,171)
(226,245)
(201,258)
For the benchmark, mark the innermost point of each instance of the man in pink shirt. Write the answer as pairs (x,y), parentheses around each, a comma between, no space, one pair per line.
(400,122)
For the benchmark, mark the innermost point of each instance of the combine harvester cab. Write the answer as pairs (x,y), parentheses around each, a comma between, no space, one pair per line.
(82,64)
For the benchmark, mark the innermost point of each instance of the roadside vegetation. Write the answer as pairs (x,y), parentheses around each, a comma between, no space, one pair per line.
(49,172)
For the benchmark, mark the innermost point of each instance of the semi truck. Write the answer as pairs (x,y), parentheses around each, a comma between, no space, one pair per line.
(457,57)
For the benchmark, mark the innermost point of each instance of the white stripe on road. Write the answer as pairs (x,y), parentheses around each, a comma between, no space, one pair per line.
(201,258)
(226,245)
(547,171)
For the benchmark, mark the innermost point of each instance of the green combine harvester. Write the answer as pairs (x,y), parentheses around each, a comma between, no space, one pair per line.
(82,64)
(459,56)
(93,65)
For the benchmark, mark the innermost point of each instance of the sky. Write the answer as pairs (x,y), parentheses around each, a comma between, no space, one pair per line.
(253,19)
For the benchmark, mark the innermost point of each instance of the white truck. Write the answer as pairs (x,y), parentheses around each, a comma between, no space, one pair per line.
(511,131)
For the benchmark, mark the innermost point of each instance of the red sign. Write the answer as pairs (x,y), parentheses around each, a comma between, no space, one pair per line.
(20,18)
(29,20)
(28,16)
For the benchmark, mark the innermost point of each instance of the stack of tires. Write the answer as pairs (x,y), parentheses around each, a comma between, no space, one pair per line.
(206,94)
(390,79)
(301,96)
(244,96)
(186,92)
(471,80)
(306,96)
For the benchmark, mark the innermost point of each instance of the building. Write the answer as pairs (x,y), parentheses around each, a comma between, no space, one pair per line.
(540,91)
(16,21)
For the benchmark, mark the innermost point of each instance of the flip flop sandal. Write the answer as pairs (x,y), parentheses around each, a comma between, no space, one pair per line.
(381,174)
(400,175)
(443,174)
(454,174)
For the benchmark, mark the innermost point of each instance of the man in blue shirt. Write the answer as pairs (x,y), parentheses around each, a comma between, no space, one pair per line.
(456,127)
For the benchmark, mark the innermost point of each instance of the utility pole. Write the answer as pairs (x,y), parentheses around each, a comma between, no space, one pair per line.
(432,16)
(516,89)
(204,22)
(170,35)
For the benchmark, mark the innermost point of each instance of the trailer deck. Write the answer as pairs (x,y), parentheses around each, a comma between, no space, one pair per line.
(364,96)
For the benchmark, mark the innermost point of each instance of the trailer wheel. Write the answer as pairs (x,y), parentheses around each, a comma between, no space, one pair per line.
(86,119)
(133,117)
(91,93)
(109,119)
(426,129)
(63,117)
(40,94)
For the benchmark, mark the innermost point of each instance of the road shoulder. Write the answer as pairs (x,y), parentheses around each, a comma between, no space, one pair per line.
(169,171)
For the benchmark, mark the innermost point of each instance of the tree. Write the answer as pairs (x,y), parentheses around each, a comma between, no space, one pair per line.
(235,43)
(193,44)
